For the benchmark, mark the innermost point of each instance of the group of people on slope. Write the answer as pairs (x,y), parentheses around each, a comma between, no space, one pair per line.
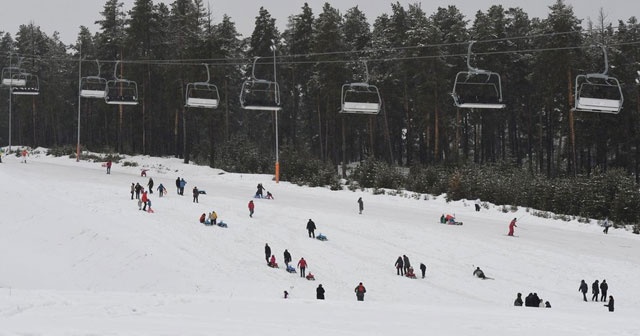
(271,262)
(260,192)
(403,267)
(532,300)
(597,289)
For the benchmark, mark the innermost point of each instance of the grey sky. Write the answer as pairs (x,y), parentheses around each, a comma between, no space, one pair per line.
(65,16)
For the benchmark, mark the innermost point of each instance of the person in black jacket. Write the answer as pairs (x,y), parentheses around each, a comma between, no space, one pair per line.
(604,287)
(287,257)
(583,288)
(178,185)
(407,264)
(518,301)
(423,269)
(311,227)
(399,266)
(528,301)
(595,290)
(267,252)
(320,292)
(360,290)
(610,304)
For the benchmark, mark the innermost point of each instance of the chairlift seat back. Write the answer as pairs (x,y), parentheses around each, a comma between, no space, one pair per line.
(598,105)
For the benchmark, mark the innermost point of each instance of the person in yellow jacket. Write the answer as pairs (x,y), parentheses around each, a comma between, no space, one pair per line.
(213,218)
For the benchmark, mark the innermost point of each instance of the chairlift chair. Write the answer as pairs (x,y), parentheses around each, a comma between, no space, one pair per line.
(121,91)
(14,75)
(477,88)
(31,86)
(202,94)
(93,86)
(259,94)
(598,92)
(361,98)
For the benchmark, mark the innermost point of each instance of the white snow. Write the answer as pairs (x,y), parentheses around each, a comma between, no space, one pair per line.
(77,257)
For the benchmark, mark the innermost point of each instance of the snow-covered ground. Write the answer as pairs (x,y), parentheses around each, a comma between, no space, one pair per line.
(77,257)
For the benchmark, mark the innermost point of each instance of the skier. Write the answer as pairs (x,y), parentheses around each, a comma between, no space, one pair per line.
(479,273)
(320,292)
(610,304)
(604,287)
(195,194)
(606,225)
(311,227)
(251,207)
(287,257)
(423,269)
(407,264)
(109,166)
(360,205)
(360,290)
(303,265)
(583,288)
(267,252)
(518,301)
(511,226)
(399,266)
(595,290)
(150,185)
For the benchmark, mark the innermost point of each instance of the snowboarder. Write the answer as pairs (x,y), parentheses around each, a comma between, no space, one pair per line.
(267,252)
(150,185)
(406,262)
(320,292)
(399,266)
(595,290)
(195,194)
(423,269)
(311,227)
(518,301)
(287,257)
(477,203)
(302,264)
(511,226)
(606,225)
(610,304)
(360,205)
(583,288)
(109,166)
(251,207)
(604,287)
(259,191)
(360,290)
(479,273)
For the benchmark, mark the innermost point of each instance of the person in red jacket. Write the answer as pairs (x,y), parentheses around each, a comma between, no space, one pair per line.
(251,207)
(144,201)
(511,226)
(303,265)
(360,290)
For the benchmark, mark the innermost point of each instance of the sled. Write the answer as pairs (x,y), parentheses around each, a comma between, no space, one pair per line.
(202,192)
(452,223)
(150,210)
(310,277)
(273,265)
(410,276)
(321,237)
(222,224)
(291,269)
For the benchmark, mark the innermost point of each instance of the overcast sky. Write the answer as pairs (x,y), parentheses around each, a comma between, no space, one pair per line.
(65,16)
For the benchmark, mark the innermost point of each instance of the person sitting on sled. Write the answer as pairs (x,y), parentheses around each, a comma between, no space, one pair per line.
(272,262)
(269,195)
(410,273)
(450,219)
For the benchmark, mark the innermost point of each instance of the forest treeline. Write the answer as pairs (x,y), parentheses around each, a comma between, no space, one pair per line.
(411,56)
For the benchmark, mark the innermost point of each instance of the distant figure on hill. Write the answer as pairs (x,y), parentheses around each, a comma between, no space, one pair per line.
(302,264)
(138,190)
(311,227)
(399,266)
(133,189)
(518,301)
(595,290)
(287,257)
(286,294)
(269,195)
(583,288)
(606,225)
(511,226)
(406,263)
(196,193)
(360,290)
(213,218)
(183,183)
(477,203)
(24,155)
(259,190)
(162,190)
(150,185)
(109,163)
(610,304)
(178,185)
(320,292)
(547,304)
(604,287)
(267,252)
(144,201)
(423,269)
(360,205)
(272,261)
(251,208)
(479,273)
(203,217)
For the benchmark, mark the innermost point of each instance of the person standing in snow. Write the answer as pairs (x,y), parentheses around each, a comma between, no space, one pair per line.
(320,292)
(360,290)
(109,166)
(518,301)
(606,225)
(259,191)
(423,269)
(183,183)
(251,207)
(399,266)
(144,201)
(511,226)
(604,287)
(196,193)
(287,257)
(138,190)
(267,252)
(477,203)
(406,263)
(311,227)
(150,185)
(595,290)
(610,304)
(161,190)
(178,185)
(303,266)
(133,189)
(583,288)
(360,205)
